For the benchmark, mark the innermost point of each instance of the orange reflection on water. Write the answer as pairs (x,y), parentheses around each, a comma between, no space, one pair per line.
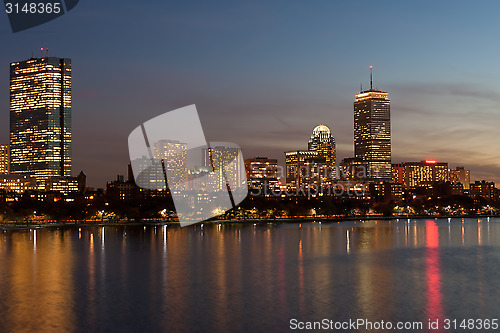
(39,289)
(479,234)
(301,279)
(92,297)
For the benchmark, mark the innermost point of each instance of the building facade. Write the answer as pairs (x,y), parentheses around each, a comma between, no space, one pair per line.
(40,117)
(121,190)
(372,133)
(460,176)
(323,142)
(425,173)
(303,170)
(398,173)
(352,168)
(482,189)
(66,185)
(262,174)
(4,159)
(225,164)
(17,183)
(173,157)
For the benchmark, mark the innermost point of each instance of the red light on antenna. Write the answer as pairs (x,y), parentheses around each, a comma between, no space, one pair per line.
(371,67)
(430,161)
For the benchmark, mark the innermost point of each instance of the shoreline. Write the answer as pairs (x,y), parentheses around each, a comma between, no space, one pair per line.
(75,223)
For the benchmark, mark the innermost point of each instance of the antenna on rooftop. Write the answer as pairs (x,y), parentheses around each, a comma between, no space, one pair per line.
(371,78)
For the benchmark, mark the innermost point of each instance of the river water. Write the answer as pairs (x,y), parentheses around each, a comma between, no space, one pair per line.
(249,277)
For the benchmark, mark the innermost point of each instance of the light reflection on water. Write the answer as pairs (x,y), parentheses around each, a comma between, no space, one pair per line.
(246,277)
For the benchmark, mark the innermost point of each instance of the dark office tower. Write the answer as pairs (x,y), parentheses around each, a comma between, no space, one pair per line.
(40,117)
(372,132)
(323,142)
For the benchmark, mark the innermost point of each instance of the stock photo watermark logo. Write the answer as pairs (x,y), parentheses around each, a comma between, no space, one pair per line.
(26,14)
(170,153)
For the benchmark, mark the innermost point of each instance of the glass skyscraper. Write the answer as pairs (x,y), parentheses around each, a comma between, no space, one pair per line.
(372,133)
(40,117)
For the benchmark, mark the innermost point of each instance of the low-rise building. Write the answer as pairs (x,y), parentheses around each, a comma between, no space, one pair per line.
(482,189)
(262,174)
(17,183)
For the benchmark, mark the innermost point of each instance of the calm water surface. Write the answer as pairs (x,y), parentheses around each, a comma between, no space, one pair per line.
(246,277)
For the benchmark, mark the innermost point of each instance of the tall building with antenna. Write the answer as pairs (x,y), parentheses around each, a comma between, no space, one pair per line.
(40,117)
(372,132)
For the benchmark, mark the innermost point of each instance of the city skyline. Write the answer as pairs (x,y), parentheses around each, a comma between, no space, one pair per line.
(39,81)
(249,166)
(265,97)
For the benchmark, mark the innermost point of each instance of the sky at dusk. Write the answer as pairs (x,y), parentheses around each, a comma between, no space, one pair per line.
(263,74)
